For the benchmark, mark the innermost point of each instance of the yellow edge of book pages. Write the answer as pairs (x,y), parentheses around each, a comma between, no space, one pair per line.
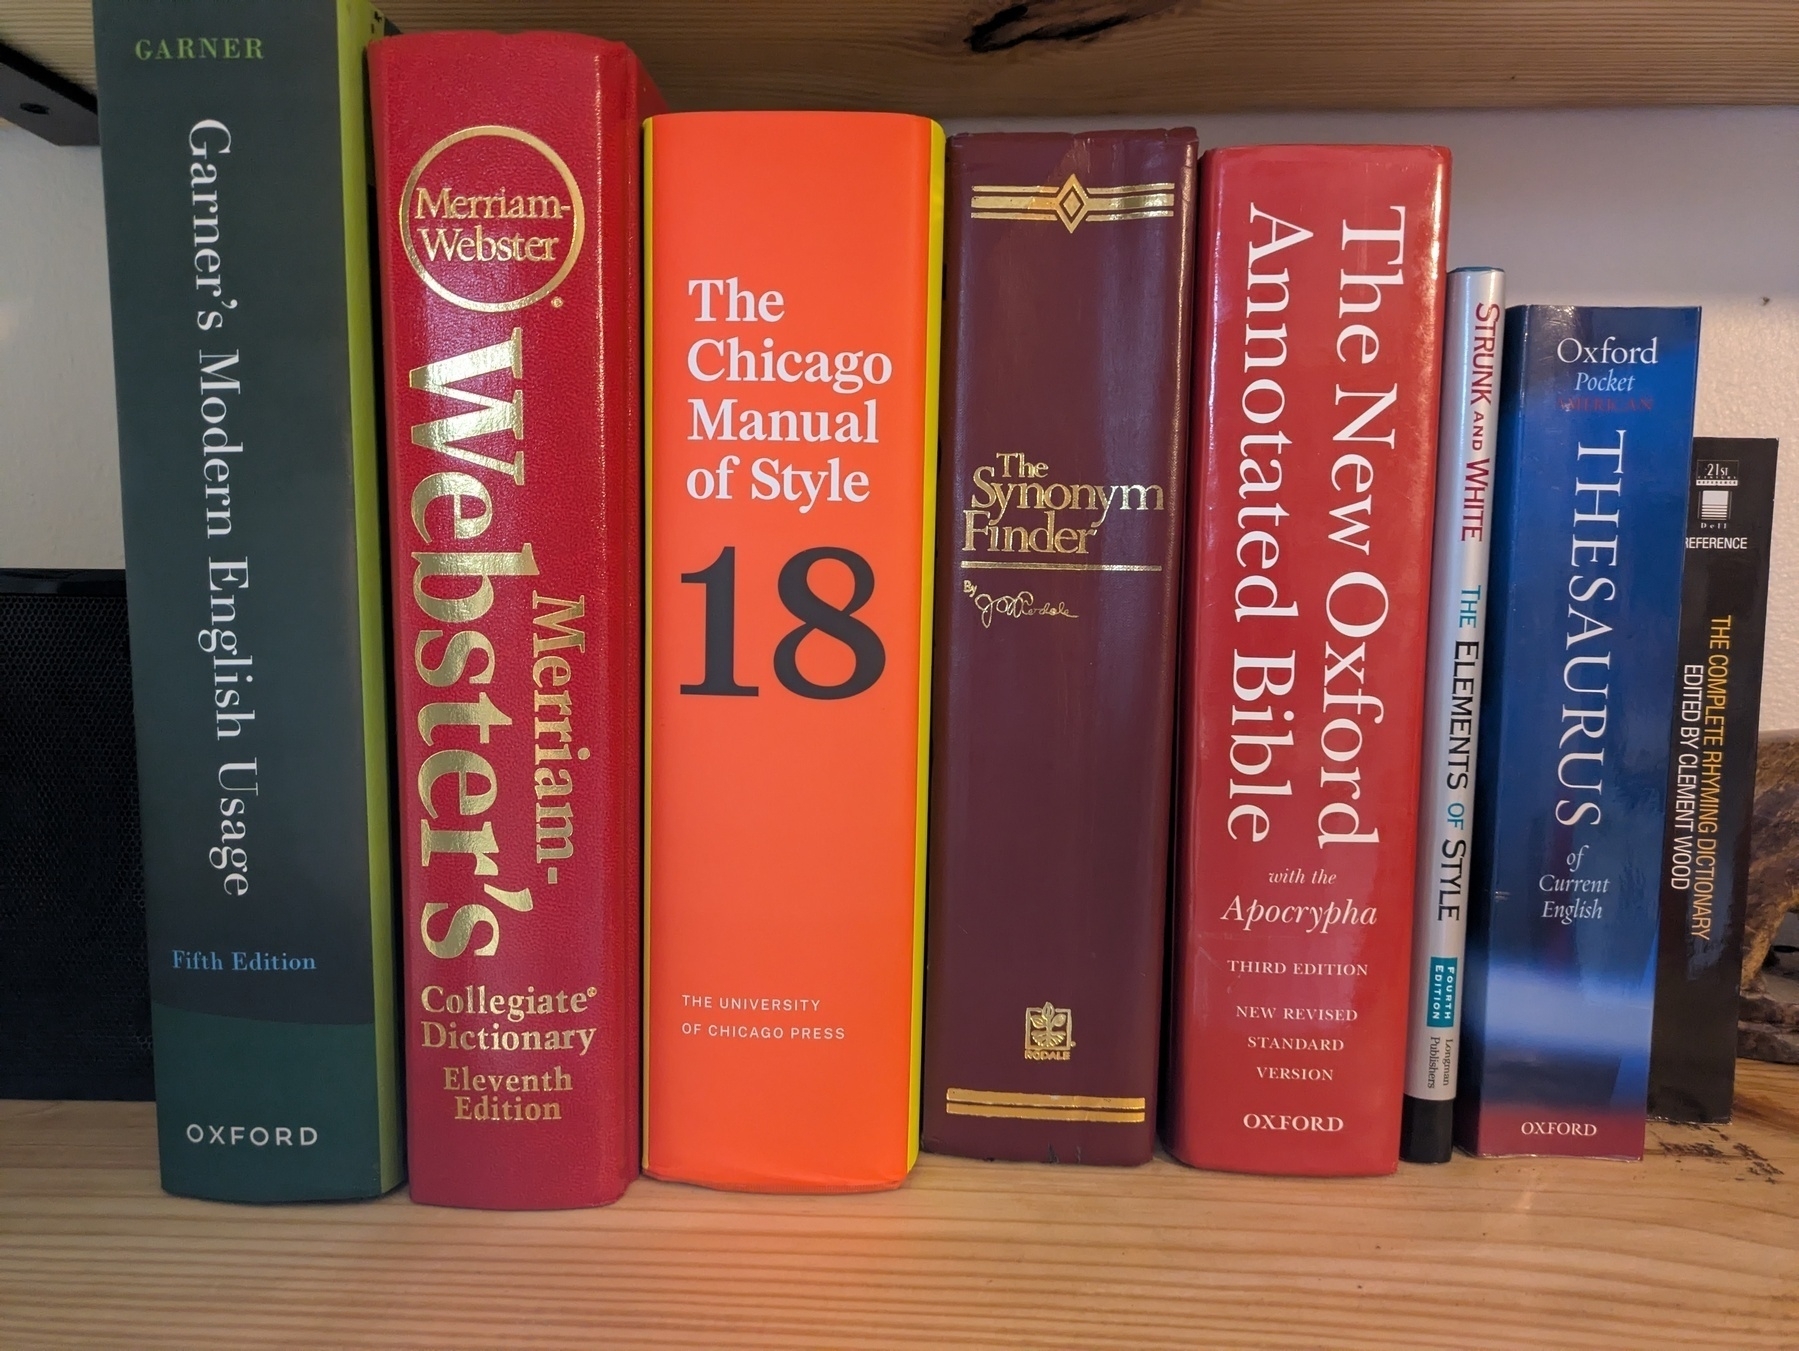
(933,363)
(793,288)
(357,23)
(648,366)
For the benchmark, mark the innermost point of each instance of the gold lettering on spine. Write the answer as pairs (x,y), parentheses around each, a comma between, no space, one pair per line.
(446,247)
(448,506)
(555,820)
(1066,530)
(492,415)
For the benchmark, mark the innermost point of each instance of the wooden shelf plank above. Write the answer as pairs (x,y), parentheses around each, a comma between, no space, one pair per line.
(1696,1246)
(968,58)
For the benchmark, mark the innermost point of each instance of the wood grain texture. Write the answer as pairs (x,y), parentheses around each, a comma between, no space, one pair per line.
(1082,57)
(1696,1246)
(1774,849)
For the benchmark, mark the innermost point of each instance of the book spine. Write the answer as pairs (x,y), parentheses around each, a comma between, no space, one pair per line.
(236,214)
(509,247)
(1473,319)
(1596,425)
(1321,347)
(792,480)
(1057,606)
(1711,784)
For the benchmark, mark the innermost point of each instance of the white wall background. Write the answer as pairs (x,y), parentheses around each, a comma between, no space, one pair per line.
(1663,206)
(59,471)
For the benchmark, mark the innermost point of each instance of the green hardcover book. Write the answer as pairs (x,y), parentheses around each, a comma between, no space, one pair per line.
(233,136)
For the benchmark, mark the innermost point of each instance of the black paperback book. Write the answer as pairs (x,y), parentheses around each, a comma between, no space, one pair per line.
(1711,779)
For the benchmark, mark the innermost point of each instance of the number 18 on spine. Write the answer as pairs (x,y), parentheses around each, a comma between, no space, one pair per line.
(1467,438)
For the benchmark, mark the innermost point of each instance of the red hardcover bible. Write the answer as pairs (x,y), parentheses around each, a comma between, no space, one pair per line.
(1307,588)
(508,186)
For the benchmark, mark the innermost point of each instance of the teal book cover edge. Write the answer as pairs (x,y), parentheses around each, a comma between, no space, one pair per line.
(235,165)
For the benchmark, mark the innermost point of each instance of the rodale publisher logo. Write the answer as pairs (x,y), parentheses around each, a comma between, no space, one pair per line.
(492,219)
(1048,1033)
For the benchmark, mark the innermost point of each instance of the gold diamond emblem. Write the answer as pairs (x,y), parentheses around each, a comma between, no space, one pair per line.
(1073,202)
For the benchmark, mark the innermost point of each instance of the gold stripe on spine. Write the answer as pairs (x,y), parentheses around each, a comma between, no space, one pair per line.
(1046,205)
(1039,1113)
(1034,190)
(1072,203)
(1060,567)
(1047,1101)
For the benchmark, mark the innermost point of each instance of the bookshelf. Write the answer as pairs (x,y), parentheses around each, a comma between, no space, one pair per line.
(1696,1246)
(985,58)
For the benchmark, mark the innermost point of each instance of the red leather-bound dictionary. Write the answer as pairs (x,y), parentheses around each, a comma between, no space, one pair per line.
(1307,588)
(508,185)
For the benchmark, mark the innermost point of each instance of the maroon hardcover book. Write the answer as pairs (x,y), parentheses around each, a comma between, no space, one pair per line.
(1066,350)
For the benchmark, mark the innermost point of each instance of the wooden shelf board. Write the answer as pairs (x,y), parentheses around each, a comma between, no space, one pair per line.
(1696,1246)
(966,58)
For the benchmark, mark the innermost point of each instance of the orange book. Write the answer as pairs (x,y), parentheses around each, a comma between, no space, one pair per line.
(794,277)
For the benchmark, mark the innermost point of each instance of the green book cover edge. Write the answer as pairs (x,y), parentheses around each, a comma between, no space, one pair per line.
(357,24)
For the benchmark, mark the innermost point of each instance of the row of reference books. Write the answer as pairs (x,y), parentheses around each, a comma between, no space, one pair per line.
(844,598)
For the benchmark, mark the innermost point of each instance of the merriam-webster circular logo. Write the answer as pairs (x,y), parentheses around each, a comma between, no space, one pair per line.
(492,219)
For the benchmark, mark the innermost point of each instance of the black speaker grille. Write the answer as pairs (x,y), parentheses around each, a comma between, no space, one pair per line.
(74,987)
